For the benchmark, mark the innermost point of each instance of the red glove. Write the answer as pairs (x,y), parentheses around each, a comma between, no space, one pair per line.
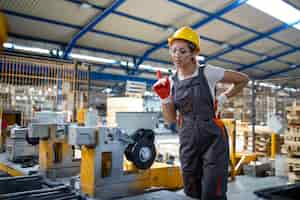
(4,124)
(162,87)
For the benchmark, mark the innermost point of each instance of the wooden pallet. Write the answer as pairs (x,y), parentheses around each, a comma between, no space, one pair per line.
(294,120)
(292,149)
(292,138)
(293,129)
(294,177)
(293,164)
(293,109)
(293,114)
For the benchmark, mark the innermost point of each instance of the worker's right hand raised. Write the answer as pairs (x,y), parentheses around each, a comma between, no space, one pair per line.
(162,88)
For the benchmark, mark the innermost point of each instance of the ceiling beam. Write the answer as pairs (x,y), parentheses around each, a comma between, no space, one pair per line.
(139,19)
(165,27)
(292,4)
(270,58)
(116,77)
(63,24)
(127,38)
(91,25)
(251,40)
(97,50)
(240,26)
(223,11)
(72,26)
(280,72)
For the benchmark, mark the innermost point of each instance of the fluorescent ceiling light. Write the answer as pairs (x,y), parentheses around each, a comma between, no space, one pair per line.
(25,48)
(85,57)
(8,45)
(278,9)
(31,49)
(91,58)
(290,89)
(147,67)
(85,5)
(269,85)
(130,64)
(107,90)
(154,68)
(56,52)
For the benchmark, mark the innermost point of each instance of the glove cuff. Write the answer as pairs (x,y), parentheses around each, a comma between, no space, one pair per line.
(166,100)
(223,98)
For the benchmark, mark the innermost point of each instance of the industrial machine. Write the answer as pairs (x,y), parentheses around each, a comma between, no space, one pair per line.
(17,147)
(115,163)
(7,118)
(34,187)
(56,156)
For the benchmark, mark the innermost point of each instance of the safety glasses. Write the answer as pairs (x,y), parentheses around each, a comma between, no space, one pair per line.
(179,51)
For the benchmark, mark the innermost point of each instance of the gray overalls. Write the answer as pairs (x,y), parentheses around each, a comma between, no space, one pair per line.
(204,149)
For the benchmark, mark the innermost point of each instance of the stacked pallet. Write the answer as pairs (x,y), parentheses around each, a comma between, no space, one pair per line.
(292,143)
(243,134)
(263,142)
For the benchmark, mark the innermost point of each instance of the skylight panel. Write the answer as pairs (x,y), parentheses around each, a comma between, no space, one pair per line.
(278,9)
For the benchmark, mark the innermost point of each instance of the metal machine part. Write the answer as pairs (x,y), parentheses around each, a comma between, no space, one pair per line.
(17,148)
(146,120)
(142,151)
(82,135)
(34,187)
(7,118)
(50,117)
(105,173)
(56,155)
(18,132)
(20,183)
(102,167)
(46,120)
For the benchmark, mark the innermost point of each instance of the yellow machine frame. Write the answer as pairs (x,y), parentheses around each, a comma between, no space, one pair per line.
(104,171)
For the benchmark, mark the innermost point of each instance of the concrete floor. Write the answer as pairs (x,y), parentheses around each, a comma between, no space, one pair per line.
(244,186)
(240,189)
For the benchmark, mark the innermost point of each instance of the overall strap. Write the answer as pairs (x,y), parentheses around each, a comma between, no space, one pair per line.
(201,70)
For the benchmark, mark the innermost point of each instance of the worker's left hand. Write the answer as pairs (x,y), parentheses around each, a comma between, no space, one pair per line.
(221,100)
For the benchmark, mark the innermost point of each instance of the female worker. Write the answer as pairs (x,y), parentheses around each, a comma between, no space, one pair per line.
(188,98)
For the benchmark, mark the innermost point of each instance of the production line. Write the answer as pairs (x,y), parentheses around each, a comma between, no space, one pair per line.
(113,164)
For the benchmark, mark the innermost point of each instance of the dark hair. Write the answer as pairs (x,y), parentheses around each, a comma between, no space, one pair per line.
(191,46)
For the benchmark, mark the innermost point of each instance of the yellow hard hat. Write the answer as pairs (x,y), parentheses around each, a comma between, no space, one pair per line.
(3,29)
(186,33)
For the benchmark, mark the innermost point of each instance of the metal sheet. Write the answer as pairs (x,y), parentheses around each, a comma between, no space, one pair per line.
(132,121)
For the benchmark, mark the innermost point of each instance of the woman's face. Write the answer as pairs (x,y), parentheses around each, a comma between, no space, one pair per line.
(181,54)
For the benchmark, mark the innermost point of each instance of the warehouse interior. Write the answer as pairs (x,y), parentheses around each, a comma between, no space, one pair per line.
(79,117)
